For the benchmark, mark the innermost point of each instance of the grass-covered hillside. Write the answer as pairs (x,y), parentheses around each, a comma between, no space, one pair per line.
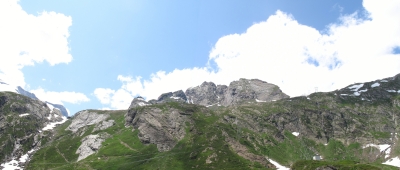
(240,137)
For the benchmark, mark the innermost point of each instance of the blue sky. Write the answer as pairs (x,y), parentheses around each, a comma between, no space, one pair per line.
(120,49)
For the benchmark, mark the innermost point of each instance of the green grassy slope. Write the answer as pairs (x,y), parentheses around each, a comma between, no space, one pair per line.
(210,140)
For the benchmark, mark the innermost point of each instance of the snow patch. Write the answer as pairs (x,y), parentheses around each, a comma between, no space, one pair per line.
(14,164)
(296,133)
(260,100)
(344,94)
(356,93)
(52,125)
(278,166)
(363,90)
(142,104)
(25,114)
(139,98)
(380,147)
(356,87)
(384,81)
(375,85)
(394,162)
(51,107)
(392,91)
(176,98)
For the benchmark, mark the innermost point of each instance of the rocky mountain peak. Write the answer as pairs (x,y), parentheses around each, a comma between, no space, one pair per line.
(138,101)
(237,92)
(250,90)
(208,94)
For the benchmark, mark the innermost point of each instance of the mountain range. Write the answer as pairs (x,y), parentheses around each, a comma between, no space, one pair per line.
(249,124)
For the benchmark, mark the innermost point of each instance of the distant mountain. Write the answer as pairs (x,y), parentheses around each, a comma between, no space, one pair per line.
(20,90)
(17,89)
(60,107)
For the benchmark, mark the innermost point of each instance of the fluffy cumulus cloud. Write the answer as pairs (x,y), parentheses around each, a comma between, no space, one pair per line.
(60,97)
(293,56)
(28,39)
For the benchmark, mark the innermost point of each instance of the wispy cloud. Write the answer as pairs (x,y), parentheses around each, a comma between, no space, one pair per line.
(295,57)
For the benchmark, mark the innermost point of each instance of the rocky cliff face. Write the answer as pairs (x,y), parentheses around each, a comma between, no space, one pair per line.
(162,127)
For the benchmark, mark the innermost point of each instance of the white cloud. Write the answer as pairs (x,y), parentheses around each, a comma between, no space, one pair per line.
(295,57)
(60,97)
(104,95)
(28,39)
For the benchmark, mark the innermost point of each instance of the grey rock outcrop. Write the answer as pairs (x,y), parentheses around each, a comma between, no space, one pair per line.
(86,118)
(90,145)
(162,128)
(103,125)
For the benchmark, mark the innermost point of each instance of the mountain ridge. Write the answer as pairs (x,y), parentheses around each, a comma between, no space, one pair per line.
(249,124)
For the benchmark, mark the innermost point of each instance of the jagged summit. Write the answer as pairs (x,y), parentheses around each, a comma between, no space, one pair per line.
(209,94)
